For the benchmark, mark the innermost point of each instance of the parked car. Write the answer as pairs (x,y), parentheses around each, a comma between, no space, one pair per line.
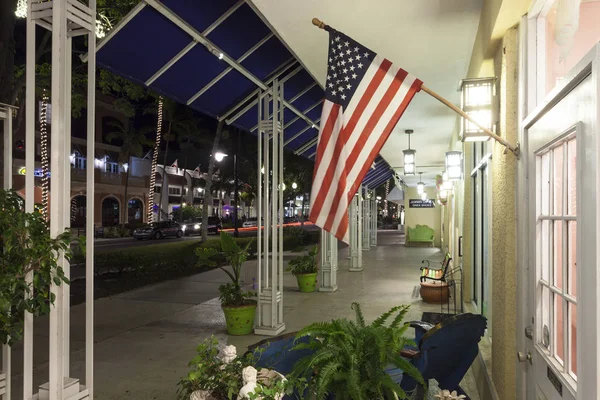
(195,227)
(159,230)
(250,222)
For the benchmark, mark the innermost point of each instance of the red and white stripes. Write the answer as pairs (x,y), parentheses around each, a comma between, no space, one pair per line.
(350,140)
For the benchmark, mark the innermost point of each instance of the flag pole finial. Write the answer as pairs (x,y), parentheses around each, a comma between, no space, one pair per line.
(318,23)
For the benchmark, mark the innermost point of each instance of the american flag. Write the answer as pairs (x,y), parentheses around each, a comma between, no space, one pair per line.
(364,99)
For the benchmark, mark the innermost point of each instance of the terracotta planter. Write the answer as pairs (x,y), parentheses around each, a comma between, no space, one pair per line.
(307,282)
(435,292)
(240,320)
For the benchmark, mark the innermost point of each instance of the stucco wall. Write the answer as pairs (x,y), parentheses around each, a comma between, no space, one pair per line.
(423,216)
(504,224)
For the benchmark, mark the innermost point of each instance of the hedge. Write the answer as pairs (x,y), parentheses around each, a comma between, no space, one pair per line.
(179,258)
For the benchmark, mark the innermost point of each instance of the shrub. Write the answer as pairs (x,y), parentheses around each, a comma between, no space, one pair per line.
(111,232)
(156,260)
(305,264)
(26,247)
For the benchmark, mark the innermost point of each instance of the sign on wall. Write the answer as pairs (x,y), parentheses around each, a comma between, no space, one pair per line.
(418,203)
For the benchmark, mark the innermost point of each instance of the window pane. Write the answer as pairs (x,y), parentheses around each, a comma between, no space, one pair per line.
(573,338)
(572,177)
(545,251)
(572,266)
(563,48)
(545,184)
(545,316)
(557,177)
(557,330)
(557,250)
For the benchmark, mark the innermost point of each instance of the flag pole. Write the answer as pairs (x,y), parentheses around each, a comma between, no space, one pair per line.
(514,149)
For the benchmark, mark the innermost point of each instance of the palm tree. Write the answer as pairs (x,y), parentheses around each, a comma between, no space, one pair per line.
(168,108)
(155,158)
(189,136)
(133,146)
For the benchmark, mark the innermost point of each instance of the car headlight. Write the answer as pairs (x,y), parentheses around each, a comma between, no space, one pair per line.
(197,226)
(183,227)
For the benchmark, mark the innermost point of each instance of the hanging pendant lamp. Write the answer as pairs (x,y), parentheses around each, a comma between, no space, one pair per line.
(409,156)
(420,185)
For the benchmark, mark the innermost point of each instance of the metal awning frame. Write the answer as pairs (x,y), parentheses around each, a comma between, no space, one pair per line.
(200,37)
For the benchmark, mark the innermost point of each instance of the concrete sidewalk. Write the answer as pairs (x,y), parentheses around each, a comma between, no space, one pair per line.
(145,338)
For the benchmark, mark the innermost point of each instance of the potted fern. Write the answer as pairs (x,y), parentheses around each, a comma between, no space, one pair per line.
(305,269)
(238,305)
(349,359)
(26,248)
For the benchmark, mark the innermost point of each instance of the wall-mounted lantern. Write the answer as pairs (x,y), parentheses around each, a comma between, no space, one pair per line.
(478,101)
(454,165)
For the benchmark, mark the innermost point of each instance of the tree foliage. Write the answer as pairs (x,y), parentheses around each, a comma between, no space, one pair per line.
(26,247)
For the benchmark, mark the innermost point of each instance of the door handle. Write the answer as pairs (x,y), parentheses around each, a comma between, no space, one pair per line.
(522,357)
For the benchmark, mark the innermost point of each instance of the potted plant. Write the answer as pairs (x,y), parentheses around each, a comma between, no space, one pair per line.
(26,249)
(349,359)
(214,374)
(305,269)
(238,305)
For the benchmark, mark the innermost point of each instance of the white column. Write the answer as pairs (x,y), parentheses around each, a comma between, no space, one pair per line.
(366,221)
(30,106)
(356,234)
(6,115)
(373,221)
(329,262)
(269,319)
(359,217)
(89,224)
(66,20)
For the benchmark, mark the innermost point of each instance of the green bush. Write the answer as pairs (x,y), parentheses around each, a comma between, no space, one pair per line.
(312,237)
(111,232)
(156,260)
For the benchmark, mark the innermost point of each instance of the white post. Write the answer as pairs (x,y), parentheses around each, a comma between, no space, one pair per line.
(360,227)
(29,188)
(89,211)
(269,319)
(355,234)
(329,264)
(374,222)
(366,220)
(67,19)
(6,114)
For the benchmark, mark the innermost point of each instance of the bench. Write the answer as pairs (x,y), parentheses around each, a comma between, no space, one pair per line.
(435,274)
(420,234)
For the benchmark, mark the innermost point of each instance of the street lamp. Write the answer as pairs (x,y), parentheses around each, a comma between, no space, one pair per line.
(294,185)
(220,156)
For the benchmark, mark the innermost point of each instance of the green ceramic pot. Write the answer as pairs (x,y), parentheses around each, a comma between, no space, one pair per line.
(307,282)
(240,319)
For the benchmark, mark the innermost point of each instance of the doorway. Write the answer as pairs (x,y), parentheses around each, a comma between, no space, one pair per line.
(560,268)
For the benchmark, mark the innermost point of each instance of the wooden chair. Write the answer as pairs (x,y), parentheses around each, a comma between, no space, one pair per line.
(435,274)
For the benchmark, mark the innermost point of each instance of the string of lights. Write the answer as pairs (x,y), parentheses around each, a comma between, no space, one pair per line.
(387,192)
(44,153)
(155,160)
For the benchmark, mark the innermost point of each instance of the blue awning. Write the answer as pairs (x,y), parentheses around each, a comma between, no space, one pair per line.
(214,56)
